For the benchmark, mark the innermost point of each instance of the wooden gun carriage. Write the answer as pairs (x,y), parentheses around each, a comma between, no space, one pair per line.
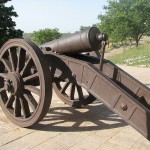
(28,73)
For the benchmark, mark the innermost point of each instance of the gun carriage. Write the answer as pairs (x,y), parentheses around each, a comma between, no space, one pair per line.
(28,73)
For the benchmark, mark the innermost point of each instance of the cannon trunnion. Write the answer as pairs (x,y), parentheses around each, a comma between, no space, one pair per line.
(28,73)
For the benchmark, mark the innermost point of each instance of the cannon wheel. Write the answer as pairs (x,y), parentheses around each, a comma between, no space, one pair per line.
(22,64)
(71,93)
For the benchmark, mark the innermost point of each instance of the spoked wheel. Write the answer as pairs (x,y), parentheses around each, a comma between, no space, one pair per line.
(72,94)
(25,82)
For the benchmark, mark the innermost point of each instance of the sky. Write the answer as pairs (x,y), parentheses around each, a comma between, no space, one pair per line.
(66,15)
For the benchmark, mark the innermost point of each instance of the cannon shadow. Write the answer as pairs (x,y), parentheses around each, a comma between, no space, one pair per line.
(67,119)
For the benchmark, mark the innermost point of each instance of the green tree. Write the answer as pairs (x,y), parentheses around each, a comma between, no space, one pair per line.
(45,35)
(7,25)
(83,28)
(65,34)
(126,19)
(27,36)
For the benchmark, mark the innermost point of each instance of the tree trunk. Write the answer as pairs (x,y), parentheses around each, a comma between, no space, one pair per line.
(137,39)
(136,42)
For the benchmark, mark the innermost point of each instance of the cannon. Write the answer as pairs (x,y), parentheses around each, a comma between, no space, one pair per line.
(28,73)
(86,41)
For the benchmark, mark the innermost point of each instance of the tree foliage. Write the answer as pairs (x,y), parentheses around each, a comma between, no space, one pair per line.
(83,28)
(45,35)
(27,36)
(126,19)
(7,25)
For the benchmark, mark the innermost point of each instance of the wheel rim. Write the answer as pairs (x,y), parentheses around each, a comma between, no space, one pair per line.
(23,75)
(72,94)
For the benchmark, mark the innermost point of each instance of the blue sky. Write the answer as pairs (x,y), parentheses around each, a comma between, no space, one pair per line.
(67,15)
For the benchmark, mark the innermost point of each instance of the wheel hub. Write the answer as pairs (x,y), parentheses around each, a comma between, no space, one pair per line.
(14,83)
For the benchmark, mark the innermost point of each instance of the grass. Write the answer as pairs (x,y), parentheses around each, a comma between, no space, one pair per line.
(134,56)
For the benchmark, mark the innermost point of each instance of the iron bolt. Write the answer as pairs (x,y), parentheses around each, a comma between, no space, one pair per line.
(124,107)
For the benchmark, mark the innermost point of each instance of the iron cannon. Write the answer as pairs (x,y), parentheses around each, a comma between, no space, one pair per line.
(79,42)
(28,73)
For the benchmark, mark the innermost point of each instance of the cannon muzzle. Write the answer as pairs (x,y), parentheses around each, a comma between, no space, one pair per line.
(86,41)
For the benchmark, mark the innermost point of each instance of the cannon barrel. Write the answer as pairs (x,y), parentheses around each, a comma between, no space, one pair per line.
(86,41)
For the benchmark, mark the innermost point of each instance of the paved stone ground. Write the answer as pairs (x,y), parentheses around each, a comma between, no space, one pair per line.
(64,128)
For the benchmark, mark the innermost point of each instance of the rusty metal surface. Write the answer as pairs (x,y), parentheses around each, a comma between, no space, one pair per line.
(85,41)
(25,83)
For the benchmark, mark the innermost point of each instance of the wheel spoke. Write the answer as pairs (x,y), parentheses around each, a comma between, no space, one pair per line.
(13,58)
(64,87)
(72,91)
(33,89)
(21,59)
(31,101)
(2,89)
(25,107)
(4,75)
(27,66)
(4,96)
(57,82)
(80,93)
(6,64)
(69,97)
(31,77)
(10,101)
(17,108)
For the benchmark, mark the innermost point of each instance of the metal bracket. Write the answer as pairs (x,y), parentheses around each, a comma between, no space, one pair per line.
(104,43)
